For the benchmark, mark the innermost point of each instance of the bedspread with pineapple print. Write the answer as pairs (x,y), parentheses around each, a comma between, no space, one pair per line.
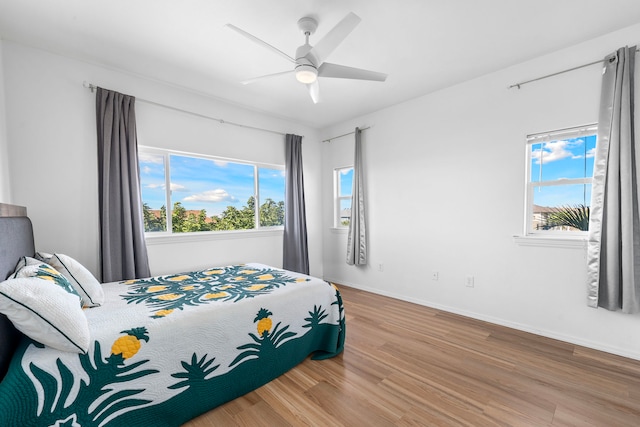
(168,348)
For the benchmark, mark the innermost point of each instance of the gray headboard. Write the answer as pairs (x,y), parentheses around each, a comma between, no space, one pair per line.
(16,240)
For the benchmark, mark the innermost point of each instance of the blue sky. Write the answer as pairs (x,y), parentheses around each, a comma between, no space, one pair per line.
(205,183)
(562,159)
(346,181)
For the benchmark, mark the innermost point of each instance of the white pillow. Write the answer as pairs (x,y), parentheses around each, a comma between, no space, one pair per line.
(24,261)
(81,279)
(46,312)
(44,271)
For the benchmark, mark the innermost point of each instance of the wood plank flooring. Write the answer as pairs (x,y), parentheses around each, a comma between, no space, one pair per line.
(409,365)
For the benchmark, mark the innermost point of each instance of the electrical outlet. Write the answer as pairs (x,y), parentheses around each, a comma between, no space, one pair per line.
(470,281)
(380,267)
(434,275)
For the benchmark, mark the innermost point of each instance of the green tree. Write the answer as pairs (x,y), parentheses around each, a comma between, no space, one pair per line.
(183,221)
(271,213)
(576,216)
(178,218)
(236,219)
(163,218)
(153,222)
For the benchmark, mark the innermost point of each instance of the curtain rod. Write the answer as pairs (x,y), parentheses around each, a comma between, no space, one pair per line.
(93,87)
(344,134)
(558,72)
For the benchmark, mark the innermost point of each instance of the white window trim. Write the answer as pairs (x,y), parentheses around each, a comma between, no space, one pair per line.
(571,242)
(160,237)
(337,198)
(550,237)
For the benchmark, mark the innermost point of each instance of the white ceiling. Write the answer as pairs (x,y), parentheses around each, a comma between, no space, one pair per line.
(423,45)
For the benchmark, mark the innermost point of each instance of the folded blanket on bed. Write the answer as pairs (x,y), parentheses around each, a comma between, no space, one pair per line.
(166,349)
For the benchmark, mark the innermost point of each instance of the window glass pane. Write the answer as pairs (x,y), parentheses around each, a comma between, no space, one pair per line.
(152,184)
(345,183)
(345,212)
(211,194)
(271,185)
(566,158)
(561,207)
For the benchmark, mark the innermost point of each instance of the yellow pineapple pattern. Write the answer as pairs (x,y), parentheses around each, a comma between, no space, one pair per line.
(128,345)
(220,284)
(163,313)
(216,295)
(169,297)
(264,322)
(178,278)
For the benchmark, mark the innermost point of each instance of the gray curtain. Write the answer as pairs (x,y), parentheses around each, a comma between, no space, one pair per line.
(357,241)
(123,249)
(613,251)
(296,255)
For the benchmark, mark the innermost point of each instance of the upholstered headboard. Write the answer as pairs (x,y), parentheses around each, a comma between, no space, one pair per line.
(16,240)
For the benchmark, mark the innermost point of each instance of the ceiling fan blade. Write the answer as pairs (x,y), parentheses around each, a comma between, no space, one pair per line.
(314,91)
(333,38)
(268,76)
(261,42)
(328,69)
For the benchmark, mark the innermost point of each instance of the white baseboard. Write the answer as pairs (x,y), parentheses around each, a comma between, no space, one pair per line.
(521,327)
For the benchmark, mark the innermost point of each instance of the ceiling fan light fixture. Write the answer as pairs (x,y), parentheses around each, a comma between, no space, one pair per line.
(306,74)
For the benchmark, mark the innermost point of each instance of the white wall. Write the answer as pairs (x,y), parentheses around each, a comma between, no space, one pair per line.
(5,195)
(52,149)
(445,184)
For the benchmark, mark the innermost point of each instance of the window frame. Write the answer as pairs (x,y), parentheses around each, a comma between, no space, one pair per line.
(258,229)
(337,197)
(550,136)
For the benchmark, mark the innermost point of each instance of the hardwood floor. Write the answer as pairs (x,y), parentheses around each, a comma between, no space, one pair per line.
(409,365)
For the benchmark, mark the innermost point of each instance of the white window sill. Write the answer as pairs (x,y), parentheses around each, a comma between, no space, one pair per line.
(577,242)
(339,230)
(164,238)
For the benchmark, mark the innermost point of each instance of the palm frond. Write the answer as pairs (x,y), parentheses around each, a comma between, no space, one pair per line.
(574,216)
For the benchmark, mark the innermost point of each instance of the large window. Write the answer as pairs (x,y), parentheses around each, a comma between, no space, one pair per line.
(343,182)
(559,175)
(206,193)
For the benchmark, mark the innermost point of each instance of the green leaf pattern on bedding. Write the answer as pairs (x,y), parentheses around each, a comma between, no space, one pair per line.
(103,373)
(164,294)
(150,375)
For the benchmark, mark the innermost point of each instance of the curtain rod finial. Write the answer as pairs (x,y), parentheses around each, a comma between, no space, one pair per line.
(89,86)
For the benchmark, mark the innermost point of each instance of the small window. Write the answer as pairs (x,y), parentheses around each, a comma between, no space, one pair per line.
(559,176)
(207,193)
(343,179)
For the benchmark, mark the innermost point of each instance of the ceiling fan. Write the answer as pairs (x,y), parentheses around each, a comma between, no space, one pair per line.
(310,60)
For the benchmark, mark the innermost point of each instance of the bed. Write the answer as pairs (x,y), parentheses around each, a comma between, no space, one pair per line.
(166,349)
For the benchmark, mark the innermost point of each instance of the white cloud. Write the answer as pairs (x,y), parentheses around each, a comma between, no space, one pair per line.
(178,187)
(591,153)
(146,170)
(556,150)
(150,158)
(174,187)
(211,196)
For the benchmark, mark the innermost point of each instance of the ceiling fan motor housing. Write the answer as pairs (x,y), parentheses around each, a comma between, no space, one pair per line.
(304,56)
(310,60)
(307,25)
